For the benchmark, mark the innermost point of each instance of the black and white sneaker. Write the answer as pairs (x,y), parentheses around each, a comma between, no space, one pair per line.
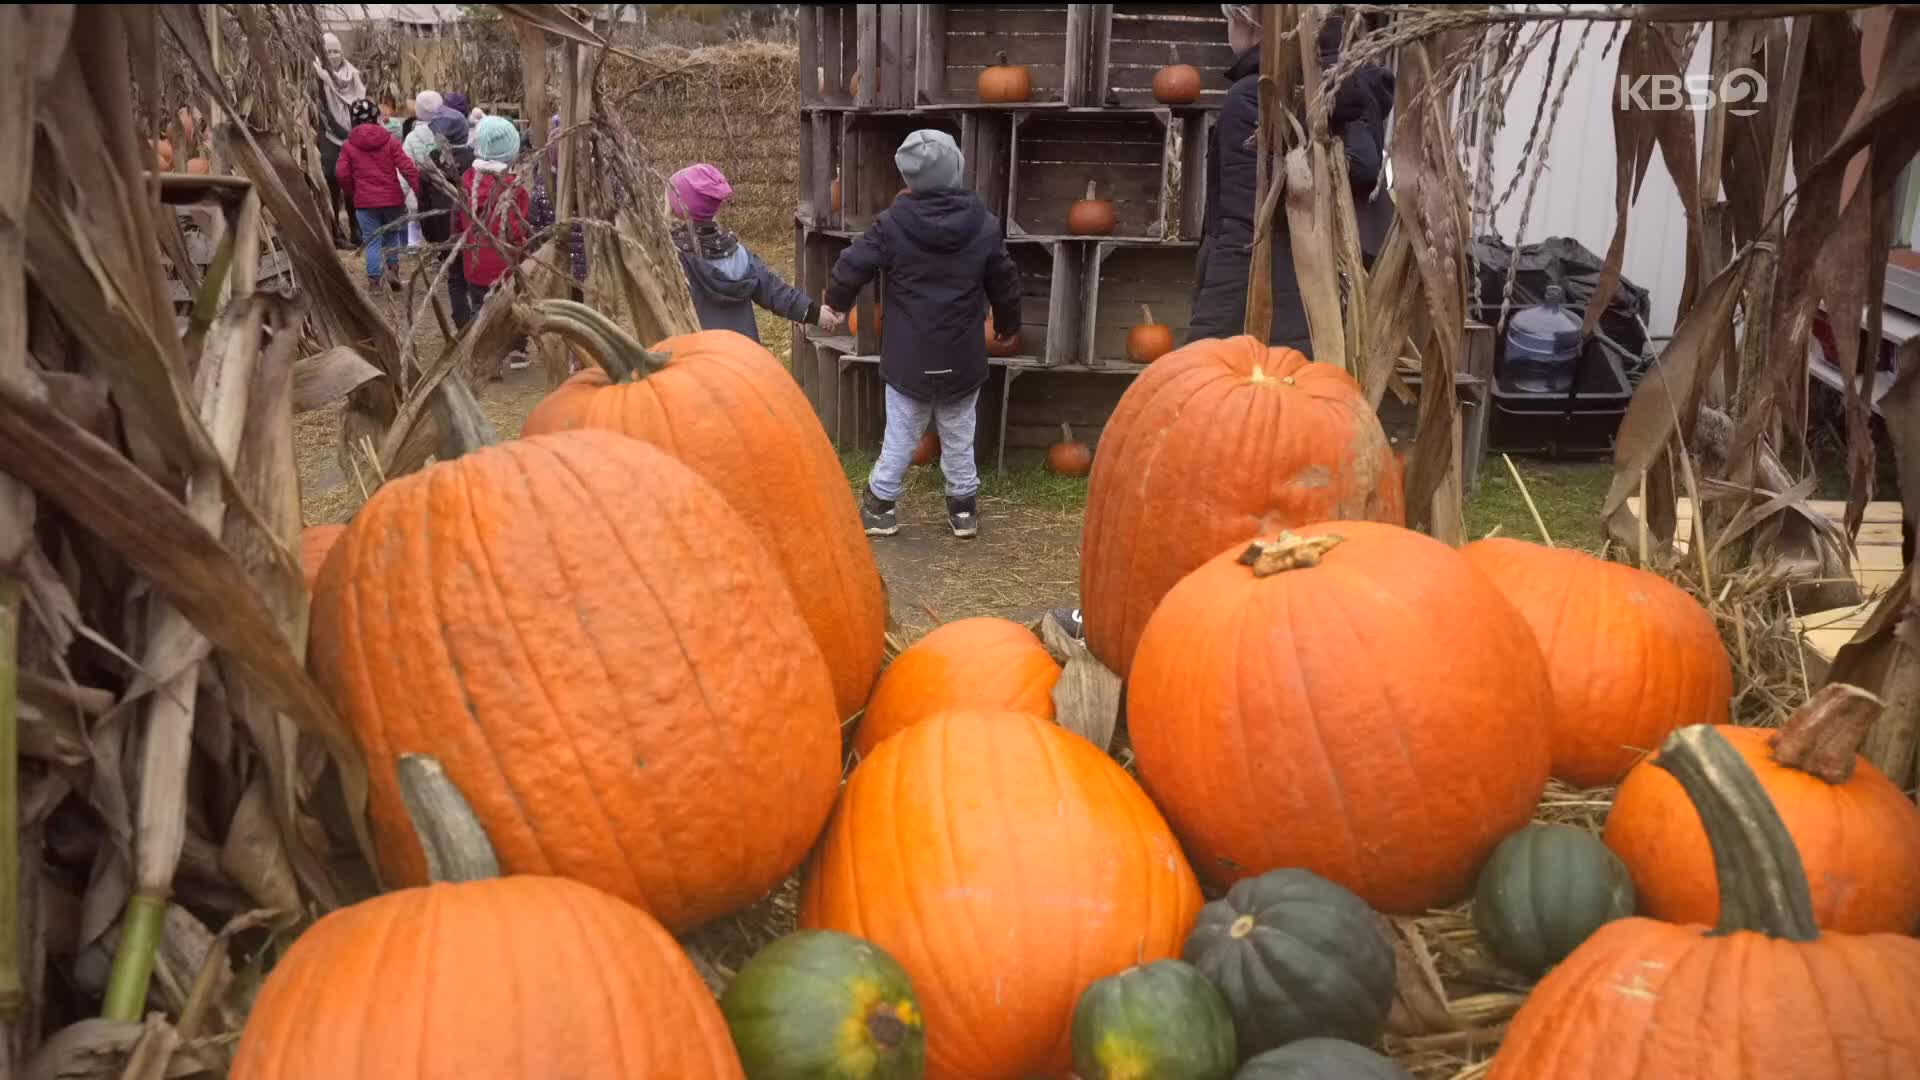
(877,515)
(961,519)
(1069,620)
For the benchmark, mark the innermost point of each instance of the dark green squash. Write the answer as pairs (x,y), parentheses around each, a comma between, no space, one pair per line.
(1163,1021)
(1295,956)
(1321,1059)
(822,1005)
(1546,889)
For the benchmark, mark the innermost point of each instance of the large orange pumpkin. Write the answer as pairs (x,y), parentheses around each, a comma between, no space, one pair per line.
(516,978)
(1213,444)
(316,541)
(1006,864)
(1764,995)
(1632,656)
(728,410)
(980,663)
(605,657)
(1858,835)
(1355,700)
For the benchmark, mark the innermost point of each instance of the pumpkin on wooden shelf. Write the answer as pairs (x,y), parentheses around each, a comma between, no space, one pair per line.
(1069,456)
(1162,1020)
(997,346)
(1232,669)
(199,166)
(316,541)
(1212,445)
(163,150)
(1762,995)
(928,449)
(978,663)
(1148,340)
(1858,834)
(1176,84)
(1100,888)
(819,1004)
(1091,216)
(1295,955)
(519,978)
(608,659)
(1005,83)
(1321,1059)
(853,319)
(727,409)
(833,193)
(1546,889)
(1631,655)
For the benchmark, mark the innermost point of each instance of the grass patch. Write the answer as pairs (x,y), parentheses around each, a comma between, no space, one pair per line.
(1567,494)
(1030,486)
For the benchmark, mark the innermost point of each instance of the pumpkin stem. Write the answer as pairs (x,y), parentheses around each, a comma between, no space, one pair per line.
(885,1027)
(1290,551)
(1091,188)
(1066,433)
(1146,315)
(1823,736)
(1001,55)
(456,844)
(1763,886)
(615,350)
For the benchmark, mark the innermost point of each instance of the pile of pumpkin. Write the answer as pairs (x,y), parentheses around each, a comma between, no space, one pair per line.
(612,659)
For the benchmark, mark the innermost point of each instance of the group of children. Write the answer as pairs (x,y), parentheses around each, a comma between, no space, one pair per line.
(943,265)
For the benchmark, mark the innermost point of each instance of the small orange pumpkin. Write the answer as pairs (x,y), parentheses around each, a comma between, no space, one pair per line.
(928,449)
(1021,864)
(1069,456)
(1148,340)
(163,150)
(199,166)
(1762,995)
(978,663)
(1858,835)
(1005,83)
(1176,84)
(1091,216)
(853,319)
(833,193)
(315,542)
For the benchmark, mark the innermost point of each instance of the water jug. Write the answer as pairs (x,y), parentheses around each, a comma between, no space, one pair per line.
(1543,347)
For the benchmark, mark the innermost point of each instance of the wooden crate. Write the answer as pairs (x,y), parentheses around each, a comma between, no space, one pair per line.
(814,256)
(1039,400)
(1196,141)
(1050,276)
(869,180)
(956,42)
(820,135)
(1132,42)
(837,41)
(986,142)
(1120,278)
(1129,153)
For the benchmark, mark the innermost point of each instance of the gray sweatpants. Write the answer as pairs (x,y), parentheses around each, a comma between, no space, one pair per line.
(906,422)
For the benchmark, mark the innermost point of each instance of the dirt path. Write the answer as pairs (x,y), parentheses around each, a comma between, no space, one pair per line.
(1023,562)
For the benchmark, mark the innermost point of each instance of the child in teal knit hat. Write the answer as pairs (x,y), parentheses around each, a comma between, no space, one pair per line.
(494,217)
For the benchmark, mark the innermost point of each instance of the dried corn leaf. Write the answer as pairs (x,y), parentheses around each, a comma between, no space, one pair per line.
(326,377)
(1086,698)
(1310,209)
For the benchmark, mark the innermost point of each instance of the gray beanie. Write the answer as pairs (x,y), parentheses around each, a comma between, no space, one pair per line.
(929,160)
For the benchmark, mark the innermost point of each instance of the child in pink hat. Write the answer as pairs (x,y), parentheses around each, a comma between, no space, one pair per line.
(726,279)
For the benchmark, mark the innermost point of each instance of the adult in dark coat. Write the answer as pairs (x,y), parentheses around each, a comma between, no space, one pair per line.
(1359,115)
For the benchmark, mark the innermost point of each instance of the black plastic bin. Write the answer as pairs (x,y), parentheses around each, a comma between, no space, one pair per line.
(1583,421)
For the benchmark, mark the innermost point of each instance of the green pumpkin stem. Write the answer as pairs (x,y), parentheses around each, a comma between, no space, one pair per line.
(456,844)
(1289,551)
(1763,886)
(619,353)
(1823,737)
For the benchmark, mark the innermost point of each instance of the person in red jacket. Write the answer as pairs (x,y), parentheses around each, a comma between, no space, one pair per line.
(371,170)
(495,214)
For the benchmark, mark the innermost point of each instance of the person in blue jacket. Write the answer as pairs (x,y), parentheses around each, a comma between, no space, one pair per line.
(726,279)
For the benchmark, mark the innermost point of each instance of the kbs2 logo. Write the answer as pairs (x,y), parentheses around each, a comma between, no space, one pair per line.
(1743,90)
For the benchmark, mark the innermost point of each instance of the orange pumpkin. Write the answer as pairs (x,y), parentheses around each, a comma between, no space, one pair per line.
(833,193)
(979,663)
(515,977)
(1858,835)
(1763,995)
(1632,656)
(1069,456)
(1268,728)
(853,319)
(997,347)
(1176,84)
(1005,83)
(163,150)
(606,658)
(315,542)
(199,166)
(1148,340)
(1021,864)
(1091,216)
(928,449)
(727,409)
(1228,439)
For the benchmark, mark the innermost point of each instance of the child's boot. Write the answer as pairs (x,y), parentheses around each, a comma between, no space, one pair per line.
(878,515)
(960,517)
